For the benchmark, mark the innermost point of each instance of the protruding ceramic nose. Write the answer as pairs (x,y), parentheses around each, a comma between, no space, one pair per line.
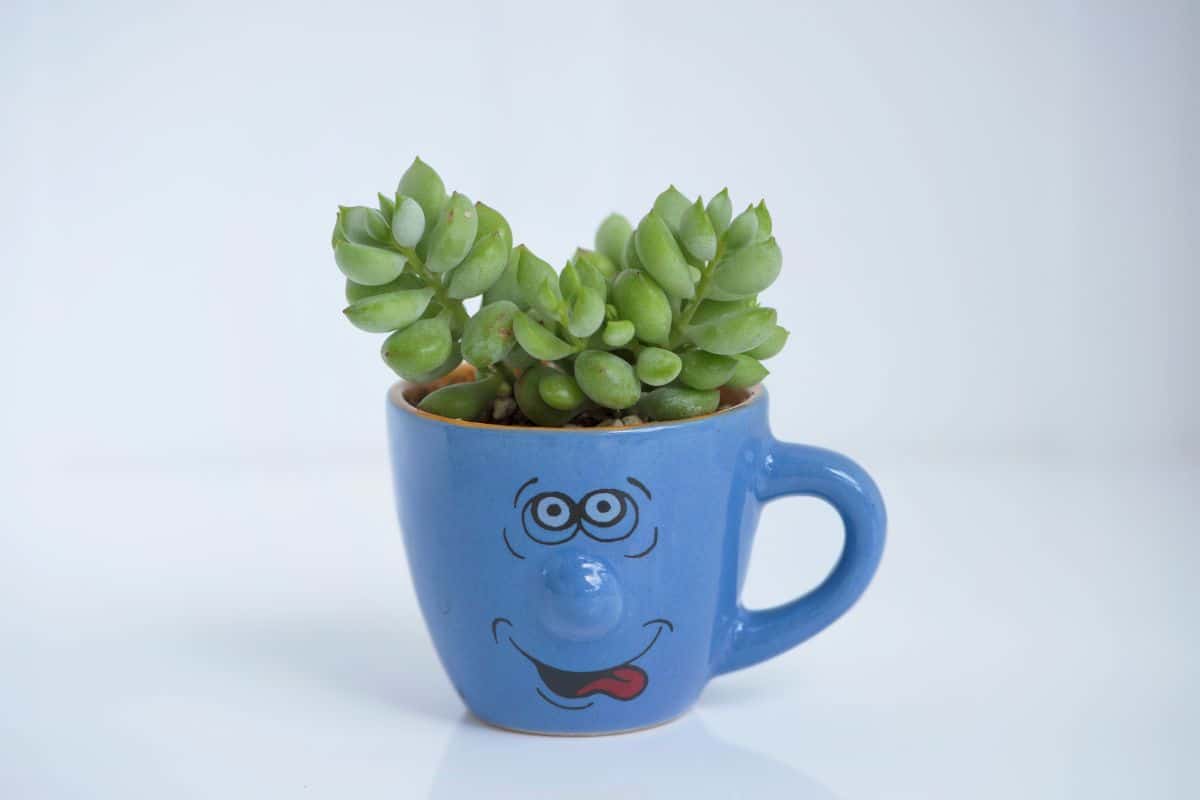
(581,598)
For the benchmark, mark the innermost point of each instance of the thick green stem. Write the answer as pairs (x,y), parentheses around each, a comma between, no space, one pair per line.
(689,310)
(506,372)
(458,311)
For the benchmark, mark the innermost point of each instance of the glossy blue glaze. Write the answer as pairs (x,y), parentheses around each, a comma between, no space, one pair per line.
(587,581)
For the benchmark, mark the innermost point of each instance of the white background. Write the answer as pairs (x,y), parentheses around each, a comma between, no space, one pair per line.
(990,219)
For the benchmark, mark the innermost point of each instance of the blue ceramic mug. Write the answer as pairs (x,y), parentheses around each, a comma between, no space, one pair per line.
(585,581)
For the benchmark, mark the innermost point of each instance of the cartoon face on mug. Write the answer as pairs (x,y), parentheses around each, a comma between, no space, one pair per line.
(577,541)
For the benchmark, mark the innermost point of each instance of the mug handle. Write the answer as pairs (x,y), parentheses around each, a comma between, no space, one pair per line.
(795,469)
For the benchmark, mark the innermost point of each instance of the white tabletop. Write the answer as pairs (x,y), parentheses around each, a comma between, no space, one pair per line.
(250,631)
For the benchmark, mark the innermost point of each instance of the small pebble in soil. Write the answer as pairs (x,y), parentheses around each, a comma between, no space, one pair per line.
(503,408)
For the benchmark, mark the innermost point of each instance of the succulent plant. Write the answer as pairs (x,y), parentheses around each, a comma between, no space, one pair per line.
(651,323)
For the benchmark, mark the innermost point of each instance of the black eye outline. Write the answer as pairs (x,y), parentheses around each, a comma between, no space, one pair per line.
(530,515)
(549,503)
(625,503)
(603,508)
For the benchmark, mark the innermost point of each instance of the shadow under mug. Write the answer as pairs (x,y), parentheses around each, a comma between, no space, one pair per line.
(585,581)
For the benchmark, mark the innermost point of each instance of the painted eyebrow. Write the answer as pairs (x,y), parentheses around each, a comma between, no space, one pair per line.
(524,486)
(641,486)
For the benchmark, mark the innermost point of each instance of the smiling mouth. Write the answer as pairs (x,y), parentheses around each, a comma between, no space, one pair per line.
(624,681)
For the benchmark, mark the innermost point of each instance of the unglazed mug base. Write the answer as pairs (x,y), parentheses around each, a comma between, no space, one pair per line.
(591,735)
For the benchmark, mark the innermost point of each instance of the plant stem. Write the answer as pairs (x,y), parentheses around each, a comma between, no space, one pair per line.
(701,290)
(455,307)
(506,372)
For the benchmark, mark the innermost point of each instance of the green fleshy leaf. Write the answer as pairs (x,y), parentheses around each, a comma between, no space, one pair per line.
(703,370)
(387,206)
(618,333)
(423,184)
(368,266)
(746,272)
(742,230)
(453,235)
(356,291)
(530,401)
(696,232)
(657,366)
(764,221)
(517,359)
(560,391)
(587,312)
(408,222)
(537,341)
(418,349)
(712,310)
(749,372)
(720,211)
(483,267)
(612,237)
(390,311)
(582,270)
(363,225)
(735,333)
(670,205)
(641,301)
(771,345)
(602,264)
(568,281)
(607,379)
(678,402)
(507,287)
(441,370)
(547,300)
(491,221)
(338,235)
(532,275)
(470,401)
(488,336)
(631,255)
(661,257)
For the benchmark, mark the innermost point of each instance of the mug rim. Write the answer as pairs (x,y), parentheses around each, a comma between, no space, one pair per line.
(397,398)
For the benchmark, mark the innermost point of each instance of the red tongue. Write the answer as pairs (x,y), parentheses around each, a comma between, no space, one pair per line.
(623,683)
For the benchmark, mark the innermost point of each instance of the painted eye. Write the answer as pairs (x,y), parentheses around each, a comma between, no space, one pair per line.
(552,511)
(603,507)
(549,518)
(608,515)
